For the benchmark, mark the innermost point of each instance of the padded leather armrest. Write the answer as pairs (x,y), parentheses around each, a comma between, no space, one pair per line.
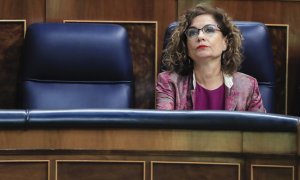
(12,118)
(202,120)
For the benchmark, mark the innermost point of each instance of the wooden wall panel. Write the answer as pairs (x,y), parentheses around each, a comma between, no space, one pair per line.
(279,40)
(265,172)
(123,139)
(11,40)
(93,153)
(30,10)
(195,170)
(11,36)
(270,167)
(19,170)
(92,170)
(269,12)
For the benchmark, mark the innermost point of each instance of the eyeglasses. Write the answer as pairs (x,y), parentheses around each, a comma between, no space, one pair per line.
(208,29)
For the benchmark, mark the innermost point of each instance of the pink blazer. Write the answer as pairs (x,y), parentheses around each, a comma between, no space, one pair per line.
(175,92)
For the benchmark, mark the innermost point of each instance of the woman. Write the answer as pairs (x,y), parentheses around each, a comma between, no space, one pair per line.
(202,59)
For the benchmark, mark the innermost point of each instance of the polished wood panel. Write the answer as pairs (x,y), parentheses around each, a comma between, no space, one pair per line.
(92,153)
(265,167)
(267,142)
(11,35)
(279,41)
(11,41)
(143,37)
(191,161)
(24,169)
(93,170)
(122,139)
(194,170)
(274,172)
(31,10)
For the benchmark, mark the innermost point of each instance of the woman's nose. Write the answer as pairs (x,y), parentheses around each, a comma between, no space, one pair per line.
(201,34)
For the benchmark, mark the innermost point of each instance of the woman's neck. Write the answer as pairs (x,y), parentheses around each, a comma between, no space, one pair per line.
(209,75)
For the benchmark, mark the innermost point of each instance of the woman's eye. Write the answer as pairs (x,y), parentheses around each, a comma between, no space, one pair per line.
(194,32)
(209,30)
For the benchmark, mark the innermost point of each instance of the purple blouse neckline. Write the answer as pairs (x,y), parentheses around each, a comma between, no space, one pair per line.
(210,99)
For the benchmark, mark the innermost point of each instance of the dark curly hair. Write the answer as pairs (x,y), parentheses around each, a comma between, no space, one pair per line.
(175,55)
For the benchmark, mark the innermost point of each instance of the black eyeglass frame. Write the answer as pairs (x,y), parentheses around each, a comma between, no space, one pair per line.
(216,28)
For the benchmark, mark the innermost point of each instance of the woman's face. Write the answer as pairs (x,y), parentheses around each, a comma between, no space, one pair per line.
(208,43)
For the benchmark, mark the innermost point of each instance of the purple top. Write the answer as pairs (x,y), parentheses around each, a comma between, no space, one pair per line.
(210,99)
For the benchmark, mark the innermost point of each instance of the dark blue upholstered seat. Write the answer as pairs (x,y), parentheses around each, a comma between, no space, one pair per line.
(76,65)
(258,58)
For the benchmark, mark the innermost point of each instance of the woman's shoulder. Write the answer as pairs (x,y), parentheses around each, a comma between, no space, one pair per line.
(243,80)
(242,76)
(171,76)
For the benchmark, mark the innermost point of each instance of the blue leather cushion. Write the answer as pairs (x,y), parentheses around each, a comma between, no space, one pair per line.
(116,118)
(13,118)
(205,120)
(77,65)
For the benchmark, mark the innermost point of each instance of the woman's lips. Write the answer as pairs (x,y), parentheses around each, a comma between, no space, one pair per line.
(201,46)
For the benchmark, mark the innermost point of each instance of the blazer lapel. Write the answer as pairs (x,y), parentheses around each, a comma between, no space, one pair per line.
(230,93)
(230,99)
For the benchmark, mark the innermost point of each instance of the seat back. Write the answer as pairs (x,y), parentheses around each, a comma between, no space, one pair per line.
(258,58)
(76,65)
